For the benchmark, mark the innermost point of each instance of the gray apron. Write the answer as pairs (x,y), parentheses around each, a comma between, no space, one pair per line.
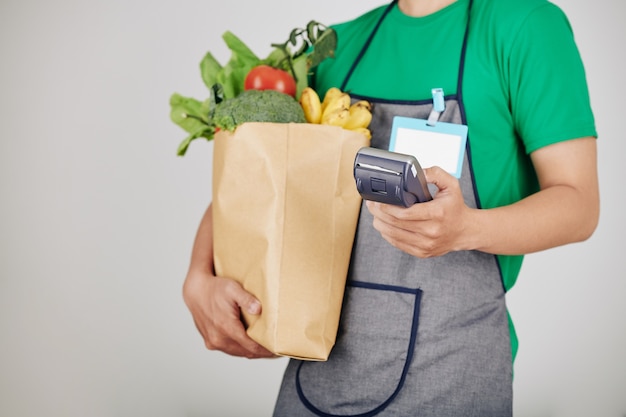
(417,337)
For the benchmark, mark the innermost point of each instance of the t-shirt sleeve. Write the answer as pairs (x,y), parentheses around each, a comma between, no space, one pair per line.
(549,93)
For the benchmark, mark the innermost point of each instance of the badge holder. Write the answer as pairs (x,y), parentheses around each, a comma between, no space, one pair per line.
(432,142)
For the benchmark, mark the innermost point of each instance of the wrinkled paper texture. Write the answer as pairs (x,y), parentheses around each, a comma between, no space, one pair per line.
(285,210)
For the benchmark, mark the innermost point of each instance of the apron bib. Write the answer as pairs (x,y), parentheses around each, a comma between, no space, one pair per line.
(417,337)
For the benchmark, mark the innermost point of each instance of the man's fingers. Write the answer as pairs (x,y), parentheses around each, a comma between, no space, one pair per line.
(244,300)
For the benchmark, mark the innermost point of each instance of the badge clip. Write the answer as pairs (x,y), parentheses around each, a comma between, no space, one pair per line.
(439,105)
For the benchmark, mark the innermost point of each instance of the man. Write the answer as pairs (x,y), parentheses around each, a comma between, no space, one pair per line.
(428,282)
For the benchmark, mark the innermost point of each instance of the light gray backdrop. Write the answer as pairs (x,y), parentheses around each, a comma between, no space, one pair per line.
(98,217)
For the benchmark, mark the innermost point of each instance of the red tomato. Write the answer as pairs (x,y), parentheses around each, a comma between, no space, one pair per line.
(264,77)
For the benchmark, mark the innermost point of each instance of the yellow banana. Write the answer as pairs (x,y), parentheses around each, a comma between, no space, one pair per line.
(363,130)
(360,115)
(363,103)
(337,117)
(330,95)
(339,102)
(336,110)
(311,105)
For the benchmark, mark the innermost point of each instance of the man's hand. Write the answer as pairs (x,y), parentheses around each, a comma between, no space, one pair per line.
(426,229)
(216,304)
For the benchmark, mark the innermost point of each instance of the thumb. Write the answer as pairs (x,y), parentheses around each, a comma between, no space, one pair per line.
(440,178)
(248,302)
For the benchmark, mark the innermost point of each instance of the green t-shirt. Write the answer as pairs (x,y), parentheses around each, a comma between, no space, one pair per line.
(524,84)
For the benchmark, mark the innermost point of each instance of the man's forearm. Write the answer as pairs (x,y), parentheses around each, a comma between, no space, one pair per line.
(202,252)
(566,210)
(553,217)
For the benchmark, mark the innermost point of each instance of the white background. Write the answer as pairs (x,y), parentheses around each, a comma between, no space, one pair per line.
(98,216)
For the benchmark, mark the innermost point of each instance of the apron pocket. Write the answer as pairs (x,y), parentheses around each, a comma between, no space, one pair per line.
(368,364)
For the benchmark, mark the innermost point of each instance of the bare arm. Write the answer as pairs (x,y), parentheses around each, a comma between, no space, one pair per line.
(565,210)
(216,302)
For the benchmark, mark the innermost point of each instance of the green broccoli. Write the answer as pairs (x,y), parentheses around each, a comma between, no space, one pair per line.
(268,106)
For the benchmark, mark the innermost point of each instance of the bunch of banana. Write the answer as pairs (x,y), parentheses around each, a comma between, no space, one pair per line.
(336,110)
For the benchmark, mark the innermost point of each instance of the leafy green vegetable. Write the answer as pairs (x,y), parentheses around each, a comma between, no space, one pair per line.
(325,46)
(209,68)
(304,50)
(193,116)
(186,112)
(232,75)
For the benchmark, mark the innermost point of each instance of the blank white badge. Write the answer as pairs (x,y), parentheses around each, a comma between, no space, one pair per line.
(441,144)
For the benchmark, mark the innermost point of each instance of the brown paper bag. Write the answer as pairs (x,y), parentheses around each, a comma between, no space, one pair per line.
(285,209)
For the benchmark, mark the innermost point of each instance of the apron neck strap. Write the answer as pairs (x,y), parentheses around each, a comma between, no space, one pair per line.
(375,29)
(367,44)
